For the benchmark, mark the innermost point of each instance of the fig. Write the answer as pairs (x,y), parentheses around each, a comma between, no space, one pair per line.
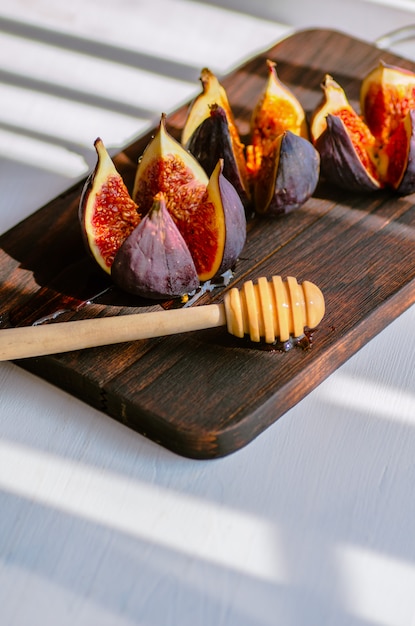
(166,166)
(288,174)
(211,141)
(106,211)
(387,93)
(213,105)
(343,161)
(283,164)
(267,174)
(226,227)
(178,228)
(345,143)
(387,99)
(276,111)
(212,93)
(376,149)
(154,261)
(206,211)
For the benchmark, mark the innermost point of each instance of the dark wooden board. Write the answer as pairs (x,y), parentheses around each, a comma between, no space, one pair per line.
(204,394)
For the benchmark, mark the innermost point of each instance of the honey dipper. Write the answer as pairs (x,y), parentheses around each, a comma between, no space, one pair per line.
(265,311)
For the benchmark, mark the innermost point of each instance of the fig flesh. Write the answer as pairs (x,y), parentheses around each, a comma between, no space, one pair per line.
(334,102)
(387,94)
(288,175)
(106,211)
(154,261)
(399,155)
(276,111)
(167,167)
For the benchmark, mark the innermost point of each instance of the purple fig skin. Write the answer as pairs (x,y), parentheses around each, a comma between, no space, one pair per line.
(154,261)
(296,177)
(406,185)
(340,164)
(236,220)
(210,142)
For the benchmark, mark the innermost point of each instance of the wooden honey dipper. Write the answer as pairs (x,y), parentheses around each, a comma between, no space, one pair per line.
(266,311)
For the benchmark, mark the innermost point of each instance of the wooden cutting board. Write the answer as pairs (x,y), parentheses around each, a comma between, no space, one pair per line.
(205,394)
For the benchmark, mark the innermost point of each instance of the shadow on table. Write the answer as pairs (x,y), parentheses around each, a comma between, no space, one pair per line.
(263,534)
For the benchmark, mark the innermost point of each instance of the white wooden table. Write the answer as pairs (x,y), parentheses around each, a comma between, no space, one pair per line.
(314,521)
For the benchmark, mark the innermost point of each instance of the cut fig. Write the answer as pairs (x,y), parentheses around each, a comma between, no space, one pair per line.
(192,227)
(106,211)
(387,94)
(210,133)
(211,141)
(282,163)
(212,93)
(213,104)
(276,111)
(387,99)
(343,161)
(377,149)
(347,148)
(334,102)
(288,175)
(154,261)
(167,167)
(205,219)
(223,216)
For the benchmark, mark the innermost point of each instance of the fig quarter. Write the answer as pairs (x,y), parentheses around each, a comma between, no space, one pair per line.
(154,261)
(106,211)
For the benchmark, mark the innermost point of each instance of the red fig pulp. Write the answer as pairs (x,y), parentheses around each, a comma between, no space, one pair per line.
(106,211)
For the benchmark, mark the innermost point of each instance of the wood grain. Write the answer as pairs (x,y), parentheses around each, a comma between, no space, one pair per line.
(204,394)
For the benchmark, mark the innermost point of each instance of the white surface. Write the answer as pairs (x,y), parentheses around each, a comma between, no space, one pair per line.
(313,522)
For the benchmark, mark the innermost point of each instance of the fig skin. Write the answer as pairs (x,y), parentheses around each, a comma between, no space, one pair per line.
(212,141)
(211,111)
(288,175)
(224,195)
(154,261)
(212,93)
(333,126)
(339,162)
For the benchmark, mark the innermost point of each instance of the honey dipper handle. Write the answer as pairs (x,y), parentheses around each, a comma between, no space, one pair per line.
(31,341)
